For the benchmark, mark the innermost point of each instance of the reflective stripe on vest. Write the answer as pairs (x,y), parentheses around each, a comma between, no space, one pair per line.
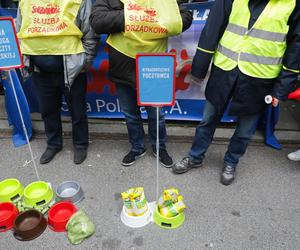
(262,34)
(249,57)
(48,27)
(148,24)
(257,52)
(291,70)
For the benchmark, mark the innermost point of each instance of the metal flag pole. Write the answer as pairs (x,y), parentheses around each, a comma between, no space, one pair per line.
(23,125)
(157,153)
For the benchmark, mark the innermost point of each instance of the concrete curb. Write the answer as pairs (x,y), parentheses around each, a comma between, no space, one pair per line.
(177,131)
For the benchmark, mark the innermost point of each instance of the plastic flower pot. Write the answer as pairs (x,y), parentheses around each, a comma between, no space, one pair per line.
(37,194)
(59,215)
(69,191)
(8,214)
(168,222)
(29,225)
(11,190)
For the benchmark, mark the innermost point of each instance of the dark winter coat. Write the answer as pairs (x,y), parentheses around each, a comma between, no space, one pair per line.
(107,17)
(247,92)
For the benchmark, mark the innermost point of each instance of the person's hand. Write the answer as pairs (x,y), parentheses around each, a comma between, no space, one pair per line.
(275,102)
(194,80)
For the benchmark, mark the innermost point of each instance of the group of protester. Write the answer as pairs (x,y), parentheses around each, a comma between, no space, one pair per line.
(254,47)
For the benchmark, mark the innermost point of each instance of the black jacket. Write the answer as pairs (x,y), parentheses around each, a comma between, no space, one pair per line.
(107,17)
(248,92)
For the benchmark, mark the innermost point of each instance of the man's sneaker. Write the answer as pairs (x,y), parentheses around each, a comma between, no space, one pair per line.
(164,158)
(294,156)
(228,175)
(48,155)
(185,165)
(130,158)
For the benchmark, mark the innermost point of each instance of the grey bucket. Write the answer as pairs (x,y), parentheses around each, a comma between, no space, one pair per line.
(70,191)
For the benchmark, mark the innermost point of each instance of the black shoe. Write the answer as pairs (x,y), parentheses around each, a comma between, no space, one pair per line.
(228,175)
(164,158)
(79,155)
(130,158)
(185,165)
(48,155)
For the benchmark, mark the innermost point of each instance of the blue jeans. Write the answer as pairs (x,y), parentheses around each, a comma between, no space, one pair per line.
(245,128)
(128,102)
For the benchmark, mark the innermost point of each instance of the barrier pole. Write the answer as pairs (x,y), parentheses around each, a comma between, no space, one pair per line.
(23,125)
(157,153)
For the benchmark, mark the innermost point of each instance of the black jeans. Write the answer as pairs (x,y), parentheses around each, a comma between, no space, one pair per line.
(50,87)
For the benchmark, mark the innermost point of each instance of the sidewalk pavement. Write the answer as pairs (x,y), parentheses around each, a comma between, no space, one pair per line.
(260,210)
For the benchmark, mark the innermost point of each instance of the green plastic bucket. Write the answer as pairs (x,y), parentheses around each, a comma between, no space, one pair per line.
(168,222)
(37,194)
(11,190)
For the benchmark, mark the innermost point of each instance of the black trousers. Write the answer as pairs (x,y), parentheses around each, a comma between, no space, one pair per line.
(50,87)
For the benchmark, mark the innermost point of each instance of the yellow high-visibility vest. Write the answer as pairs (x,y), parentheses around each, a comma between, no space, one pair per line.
(257,52)
(148,24)
(48,27)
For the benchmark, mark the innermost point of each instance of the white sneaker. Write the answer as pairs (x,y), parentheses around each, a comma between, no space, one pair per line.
(294,156)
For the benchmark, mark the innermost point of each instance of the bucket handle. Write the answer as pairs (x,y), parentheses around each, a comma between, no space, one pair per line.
(15,197)
(163,224)
(40,203)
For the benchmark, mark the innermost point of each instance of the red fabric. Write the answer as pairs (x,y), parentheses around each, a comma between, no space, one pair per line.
(295,95)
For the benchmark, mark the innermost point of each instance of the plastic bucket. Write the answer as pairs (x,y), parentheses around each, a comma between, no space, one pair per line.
(37,194)
(8,214)
(59,215)
(29,225)
(69,191)
(168,222)
(11,190)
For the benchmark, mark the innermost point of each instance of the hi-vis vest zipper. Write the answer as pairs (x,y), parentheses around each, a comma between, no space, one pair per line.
(48,27)
(257,52)
(148,24)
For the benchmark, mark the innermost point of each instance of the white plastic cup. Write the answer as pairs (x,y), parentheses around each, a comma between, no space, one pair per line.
(268,99)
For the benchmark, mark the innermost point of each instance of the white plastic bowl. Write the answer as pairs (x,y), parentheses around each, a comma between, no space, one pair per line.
(137,221)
